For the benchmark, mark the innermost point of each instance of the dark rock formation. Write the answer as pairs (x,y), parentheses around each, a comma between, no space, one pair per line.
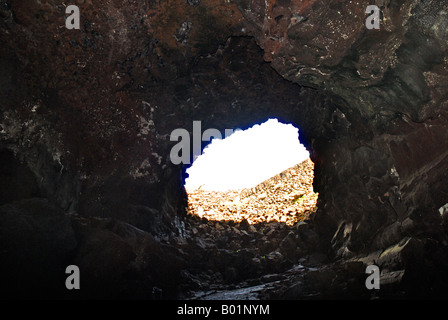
(86,115)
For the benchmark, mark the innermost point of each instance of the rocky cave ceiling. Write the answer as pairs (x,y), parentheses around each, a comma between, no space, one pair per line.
(86,114)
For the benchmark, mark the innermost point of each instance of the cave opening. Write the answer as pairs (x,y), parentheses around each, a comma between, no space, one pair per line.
(259,175)
(250,198)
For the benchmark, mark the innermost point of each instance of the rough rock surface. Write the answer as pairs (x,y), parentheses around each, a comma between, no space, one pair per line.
(287,197)
(86,117)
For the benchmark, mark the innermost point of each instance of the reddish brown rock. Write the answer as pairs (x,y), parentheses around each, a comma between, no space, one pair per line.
(86,115)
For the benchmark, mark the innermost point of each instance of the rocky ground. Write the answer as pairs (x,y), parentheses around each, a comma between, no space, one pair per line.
(287,197)
(245,258)
(260,243)
(247,238)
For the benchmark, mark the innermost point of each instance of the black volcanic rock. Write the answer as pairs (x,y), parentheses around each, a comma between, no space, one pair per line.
(36,242)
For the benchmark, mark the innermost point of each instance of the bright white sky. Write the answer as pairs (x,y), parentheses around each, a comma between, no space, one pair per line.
(246,158)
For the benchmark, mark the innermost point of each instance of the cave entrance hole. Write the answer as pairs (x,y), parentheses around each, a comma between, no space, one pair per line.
(261,174)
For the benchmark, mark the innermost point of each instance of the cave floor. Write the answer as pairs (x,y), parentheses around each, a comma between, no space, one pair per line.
(257,243)
(241,261)
(242,242)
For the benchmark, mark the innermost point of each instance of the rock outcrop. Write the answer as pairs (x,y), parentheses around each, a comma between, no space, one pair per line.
(287,197)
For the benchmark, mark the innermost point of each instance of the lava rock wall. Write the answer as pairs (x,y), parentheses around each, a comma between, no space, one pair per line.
(86,115)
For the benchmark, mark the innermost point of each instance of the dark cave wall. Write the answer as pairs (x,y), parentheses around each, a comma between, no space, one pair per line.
(387,156)
(105,114)
(86,114)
